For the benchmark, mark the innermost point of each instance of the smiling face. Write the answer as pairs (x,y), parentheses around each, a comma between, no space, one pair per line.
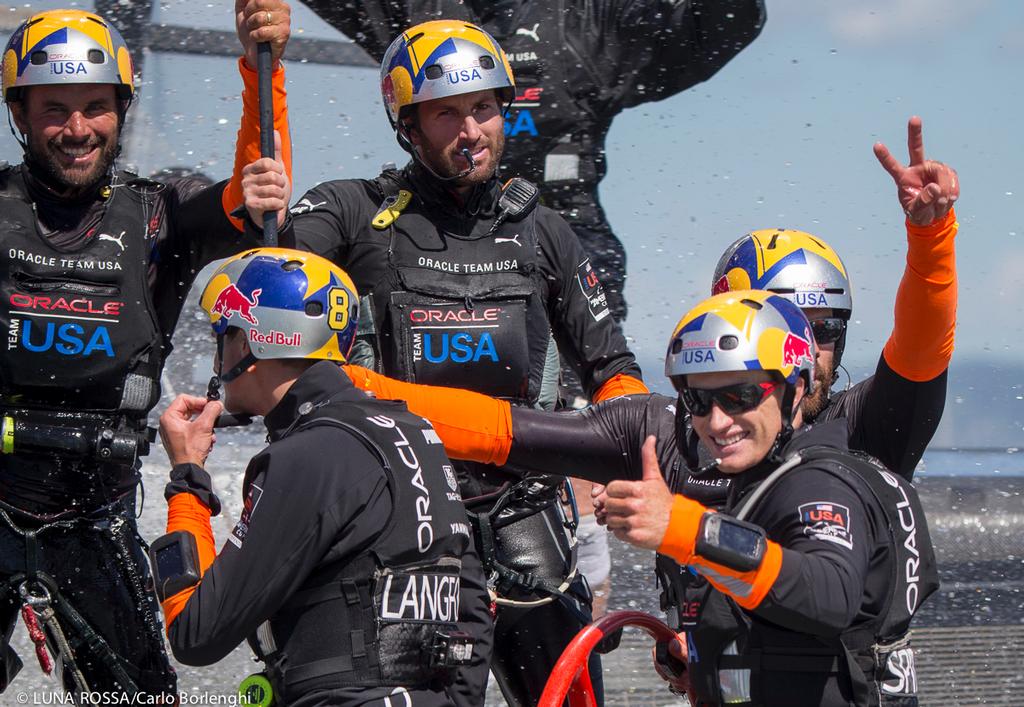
(71,131)
(445,126)
(739,440)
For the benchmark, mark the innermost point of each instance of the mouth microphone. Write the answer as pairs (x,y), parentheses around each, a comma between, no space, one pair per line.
(225,419)
(464,173)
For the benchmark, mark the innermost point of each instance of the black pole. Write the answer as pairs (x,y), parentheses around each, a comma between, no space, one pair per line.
(266,96)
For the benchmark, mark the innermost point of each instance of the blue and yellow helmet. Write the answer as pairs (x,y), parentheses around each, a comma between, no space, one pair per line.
(289,303)
(66,47)
(745,330)
(439,59)
(793,264)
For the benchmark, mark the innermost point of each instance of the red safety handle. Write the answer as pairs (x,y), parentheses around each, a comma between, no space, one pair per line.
(35,633)
(570,677)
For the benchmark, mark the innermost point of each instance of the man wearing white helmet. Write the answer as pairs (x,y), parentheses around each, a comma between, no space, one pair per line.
(580,63)
(799,597)
(469,282)
(894,413)
(95,267)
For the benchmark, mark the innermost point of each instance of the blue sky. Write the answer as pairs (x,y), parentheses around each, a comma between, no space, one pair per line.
(781,136)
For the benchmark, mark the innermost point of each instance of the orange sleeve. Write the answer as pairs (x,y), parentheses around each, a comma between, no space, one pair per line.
(618,385)
(681,535)
(473,427)
(188,513)
(749,588)
(247,147)
(921,344)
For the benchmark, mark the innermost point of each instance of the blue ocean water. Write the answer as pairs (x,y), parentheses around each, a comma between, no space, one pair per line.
(972,462)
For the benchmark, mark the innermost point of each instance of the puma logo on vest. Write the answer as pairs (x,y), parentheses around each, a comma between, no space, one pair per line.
(305,206)
(513,239)
(530,32)
(115,239)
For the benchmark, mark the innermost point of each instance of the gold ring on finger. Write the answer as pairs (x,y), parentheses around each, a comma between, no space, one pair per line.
(269,19)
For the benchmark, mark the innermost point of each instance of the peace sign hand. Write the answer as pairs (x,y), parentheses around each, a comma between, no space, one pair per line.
(926,188)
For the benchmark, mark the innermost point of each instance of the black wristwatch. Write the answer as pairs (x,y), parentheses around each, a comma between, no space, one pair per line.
(175,561)
(732,543)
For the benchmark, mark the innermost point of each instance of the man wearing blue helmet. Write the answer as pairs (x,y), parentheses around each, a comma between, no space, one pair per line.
(344,569)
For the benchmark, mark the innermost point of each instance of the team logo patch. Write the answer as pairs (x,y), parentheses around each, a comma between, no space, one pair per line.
(241,528)
(591,288)
(827,521)
(449,476)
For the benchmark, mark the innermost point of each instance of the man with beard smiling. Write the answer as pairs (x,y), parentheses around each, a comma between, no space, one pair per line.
(95,267)
(465,282)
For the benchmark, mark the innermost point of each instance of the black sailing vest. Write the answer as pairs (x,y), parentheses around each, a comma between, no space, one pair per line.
(558,122)
(80,325)
(373,620)
(461,311)
(738,659)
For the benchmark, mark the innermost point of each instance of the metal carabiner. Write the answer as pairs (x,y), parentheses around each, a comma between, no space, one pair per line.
(37,596)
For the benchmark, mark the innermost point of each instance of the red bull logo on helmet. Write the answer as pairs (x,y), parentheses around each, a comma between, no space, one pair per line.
(232,301)
(796,350)
(722,285)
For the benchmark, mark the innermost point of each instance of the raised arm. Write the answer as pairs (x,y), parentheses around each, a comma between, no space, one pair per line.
(921,343)
(259,21)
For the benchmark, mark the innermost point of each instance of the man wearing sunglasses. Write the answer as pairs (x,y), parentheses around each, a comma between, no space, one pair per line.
(799,579)
(893,414)
(795,599)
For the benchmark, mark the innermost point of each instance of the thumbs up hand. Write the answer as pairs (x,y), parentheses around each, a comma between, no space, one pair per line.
(638,511)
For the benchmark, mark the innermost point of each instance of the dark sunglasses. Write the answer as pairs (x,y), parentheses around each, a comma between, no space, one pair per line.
(732,399)
(828,330)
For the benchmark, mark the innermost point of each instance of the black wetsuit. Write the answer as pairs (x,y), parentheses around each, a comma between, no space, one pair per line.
(890,417)
(449,296)
(577,65)
(320,506)
(167,234)
(812,595)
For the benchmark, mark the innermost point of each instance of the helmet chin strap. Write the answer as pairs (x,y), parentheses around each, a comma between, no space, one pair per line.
(775,453)
(18,135)
(214,386)
(687,443)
